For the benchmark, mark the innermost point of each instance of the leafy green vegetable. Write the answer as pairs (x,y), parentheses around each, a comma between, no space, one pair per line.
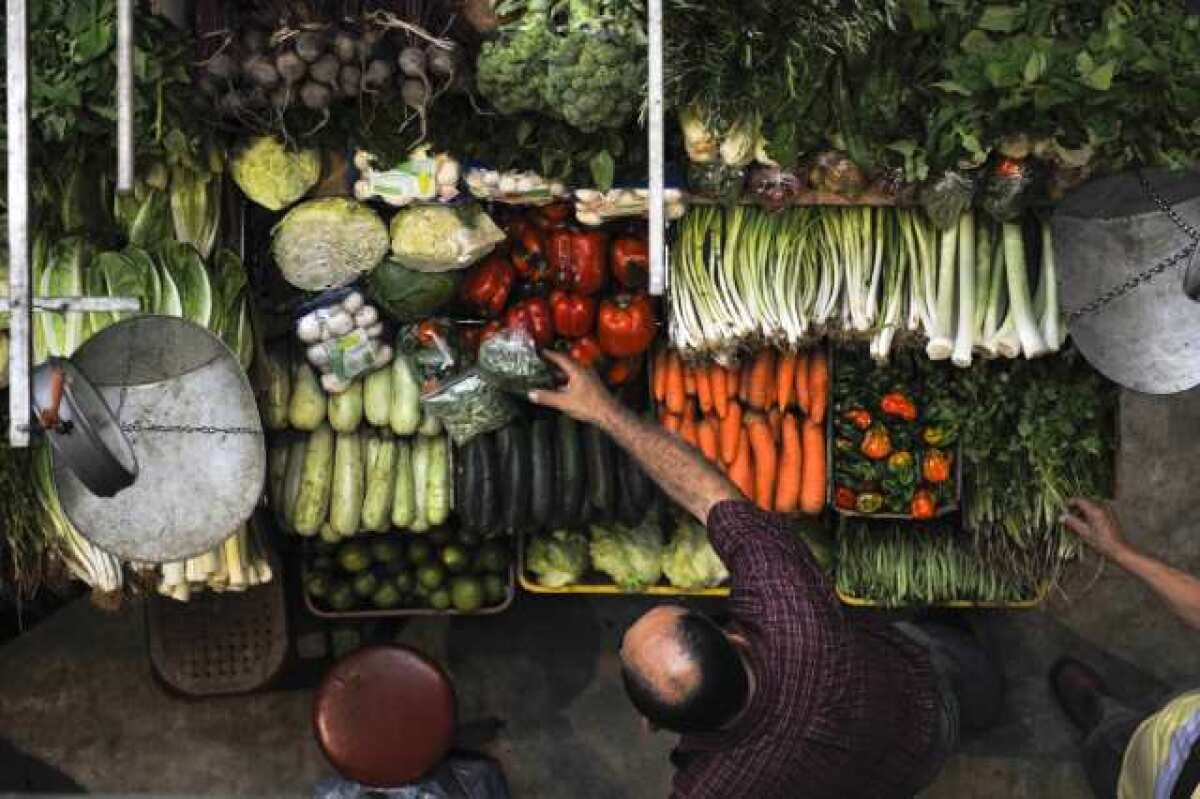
(272,175)
(631,556)
(408,295)
(328,242)
(559,558)
(689,560)
(183,266)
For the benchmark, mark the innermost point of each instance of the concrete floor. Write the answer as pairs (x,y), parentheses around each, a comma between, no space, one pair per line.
(77,692)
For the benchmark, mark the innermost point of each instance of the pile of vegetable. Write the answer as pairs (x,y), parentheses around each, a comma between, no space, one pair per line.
(238,563)
(440,570)
(894,437)
(743,276)
(762,423)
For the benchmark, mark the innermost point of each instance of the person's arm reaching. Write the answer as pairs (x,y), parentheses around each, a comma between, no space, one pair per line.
(678,469)
(1098,526)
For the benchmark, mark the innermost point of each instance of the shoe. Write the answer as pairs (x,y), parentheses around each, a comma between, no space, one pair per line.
(1078,690)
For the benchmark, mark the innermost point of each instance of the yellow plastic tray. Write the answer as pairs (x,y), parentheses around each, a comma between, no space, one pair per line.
(1020,604)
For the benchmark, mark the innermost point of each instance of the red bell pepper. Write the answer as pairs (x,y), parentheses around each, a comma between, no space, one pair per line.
(558,254)
(487,285)
(533,315)
(586,352)
(859,418)
(897,404)
(629,262)
(552,216)
(626,325)
(574,315)
(621,370)
(528,252)
(585,271)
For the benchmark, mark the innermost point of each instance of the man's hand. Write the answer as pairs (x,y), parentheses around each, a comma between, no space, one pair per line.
(1097,524)
(583,396)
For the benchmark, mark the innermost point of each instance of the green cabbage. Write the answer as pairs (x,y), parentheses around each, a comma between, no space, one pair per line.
(689,561)
(437,238)
(631,556)
(558,559)
(408,295)
(272,175)
(328,242)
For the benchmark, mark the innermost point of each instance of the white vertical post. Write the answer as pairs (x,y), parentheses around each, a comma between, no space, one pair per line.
(658,271)
(17,85)
(124,95)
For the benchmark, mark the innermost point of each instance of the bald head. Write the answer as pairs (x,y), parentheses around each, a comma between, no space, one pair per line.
(681,672)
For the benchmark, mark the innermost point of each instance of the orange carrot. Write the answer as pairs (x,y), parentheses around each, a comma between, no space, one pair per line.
(704,390)
(787,486)
(706,435)
(687,430)
(741,470)
(785,381)
(818,386)
(763,446)
(802,396)
(812,480)
(671,422)
(775,422)
(676,398)
(717,378)
(730,426)
(689,381)
(760,379)
(660,374)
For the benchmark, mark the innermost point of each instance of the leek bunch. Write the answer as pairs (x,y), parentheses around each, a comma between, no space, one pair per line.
(238,563)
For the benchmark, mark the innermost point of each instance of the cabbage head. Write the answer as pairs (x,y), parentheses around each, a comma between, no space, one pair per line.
(272,175)
(631,556)
(438,238)
(329,242)
(689,561)
(558,559)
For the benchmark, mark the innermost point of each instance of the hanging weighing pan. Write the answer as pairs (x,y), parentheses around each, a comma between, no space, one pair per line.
(182,402)
(1129,277)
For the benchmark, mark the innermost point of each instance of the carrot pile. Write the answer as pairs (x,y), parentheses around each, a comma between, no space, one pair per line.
(762,423)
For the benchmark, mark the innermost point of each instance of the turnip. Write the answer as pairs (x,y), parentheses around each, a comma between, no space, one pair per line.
(378,75)
(350,79)
(232,103)
(310,45)
(367,42)
(345,47)
(290,67)
(221,66)
(281,98)
(315,96)
(261,72)
(442,62)
(415,95)
(412,62)
(325,69)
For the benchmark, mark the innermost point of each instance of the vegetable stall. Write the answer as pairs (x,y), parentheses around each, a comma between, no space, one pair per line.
(385,210)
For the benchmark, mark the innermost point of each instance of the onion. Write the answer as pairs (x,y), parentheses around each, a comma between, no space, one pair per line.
(325,69)
(315,96)
(378,74)
(290,67)
(261,72)
(412,62)
(345,47)
(310,45)
(350,79)
(221,66)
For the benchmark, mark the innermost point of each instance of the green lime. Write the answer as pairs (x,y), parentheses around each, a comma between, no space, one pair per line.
(492,558)
(440,599)
(466,593)
(353,558)
(431,576)
(386,551)
(495,589)
(316,584)
(386,597)
(365,584)
(419,551)
(455,559)
(468,538)
(341,597)
(404,582)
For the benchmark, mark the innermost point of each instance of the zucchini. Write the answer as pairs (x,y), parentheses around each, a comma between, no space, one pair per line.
(420,476)
(346,409)
(406,397)
(404,496)
(488,477)
(598,455)
(291,481)
(349,484)
(430,424)
(381,482)
(466,485)
(641,488)
(377,397)
(274,386)
(277,458)
(542,472)
(571,473)
(438,492)
(316,482)
(517,476)
(306,407)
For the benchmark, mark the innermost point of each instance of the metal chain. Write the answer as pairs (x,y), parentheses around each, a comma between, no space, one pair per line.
(141,427)
(1133,283)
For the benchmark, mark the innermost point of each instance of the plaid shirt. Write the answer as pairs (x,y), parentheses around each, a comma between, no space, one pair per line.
(841,709)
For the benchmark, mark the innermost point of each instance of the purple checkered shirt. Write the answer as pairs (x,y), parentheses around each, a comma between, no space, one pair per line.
(842,709)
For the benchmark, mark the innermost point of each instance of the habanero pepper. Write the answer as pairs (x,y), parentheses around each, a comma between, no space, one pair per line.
(529,252)
(935,466)
(626,325)
(533,315)
(587,270)
(859,417)
(923,505)
(896,404)
(487,285)
(935,436)
(574,315)
(844,498)
(868,502)
(586,352)
(900,462)
(629,262)
(877,443)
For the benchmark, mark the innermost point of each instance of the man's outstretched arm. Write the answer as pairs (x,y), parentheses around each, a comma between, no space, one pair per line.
(679,470)
(1098,526)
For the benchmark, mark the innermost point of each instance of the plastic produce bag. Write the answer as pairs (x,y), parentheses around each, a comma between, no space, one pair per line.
(716,181)
(435,238)
(458,777)
(946,198)
(469,406)
(510,360)
(433,346)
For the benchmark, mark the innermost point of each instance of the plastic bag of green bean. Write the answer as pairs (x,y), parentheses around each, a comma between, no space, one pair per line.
(469,406)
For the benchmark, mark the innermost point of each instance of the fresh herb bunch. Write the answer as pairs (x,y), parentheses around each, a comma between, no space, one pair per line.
(29,550)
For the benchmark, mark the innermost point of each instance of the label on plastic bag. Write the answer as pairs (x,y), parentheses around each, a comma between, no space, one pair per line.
(351,355)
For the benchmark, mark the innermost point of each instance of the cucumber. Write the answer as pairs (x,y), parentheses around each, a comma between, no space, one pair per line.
(600,470)
(316,482)
(404,496)
(571,473)
(405,414)
(306,407)
(291,481)
(489,506)
(277,458)
(542,472)
(420,474)
(517,479)
(438,492)
(430,424)
(346,409)
(349,484)
(377,397)
(274,386)
(381,483)
(466,485)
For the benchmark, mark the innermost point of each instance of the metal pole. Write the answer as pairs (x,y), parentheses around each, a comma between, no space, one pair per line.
(124,95)
(658,271)
(17,85)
